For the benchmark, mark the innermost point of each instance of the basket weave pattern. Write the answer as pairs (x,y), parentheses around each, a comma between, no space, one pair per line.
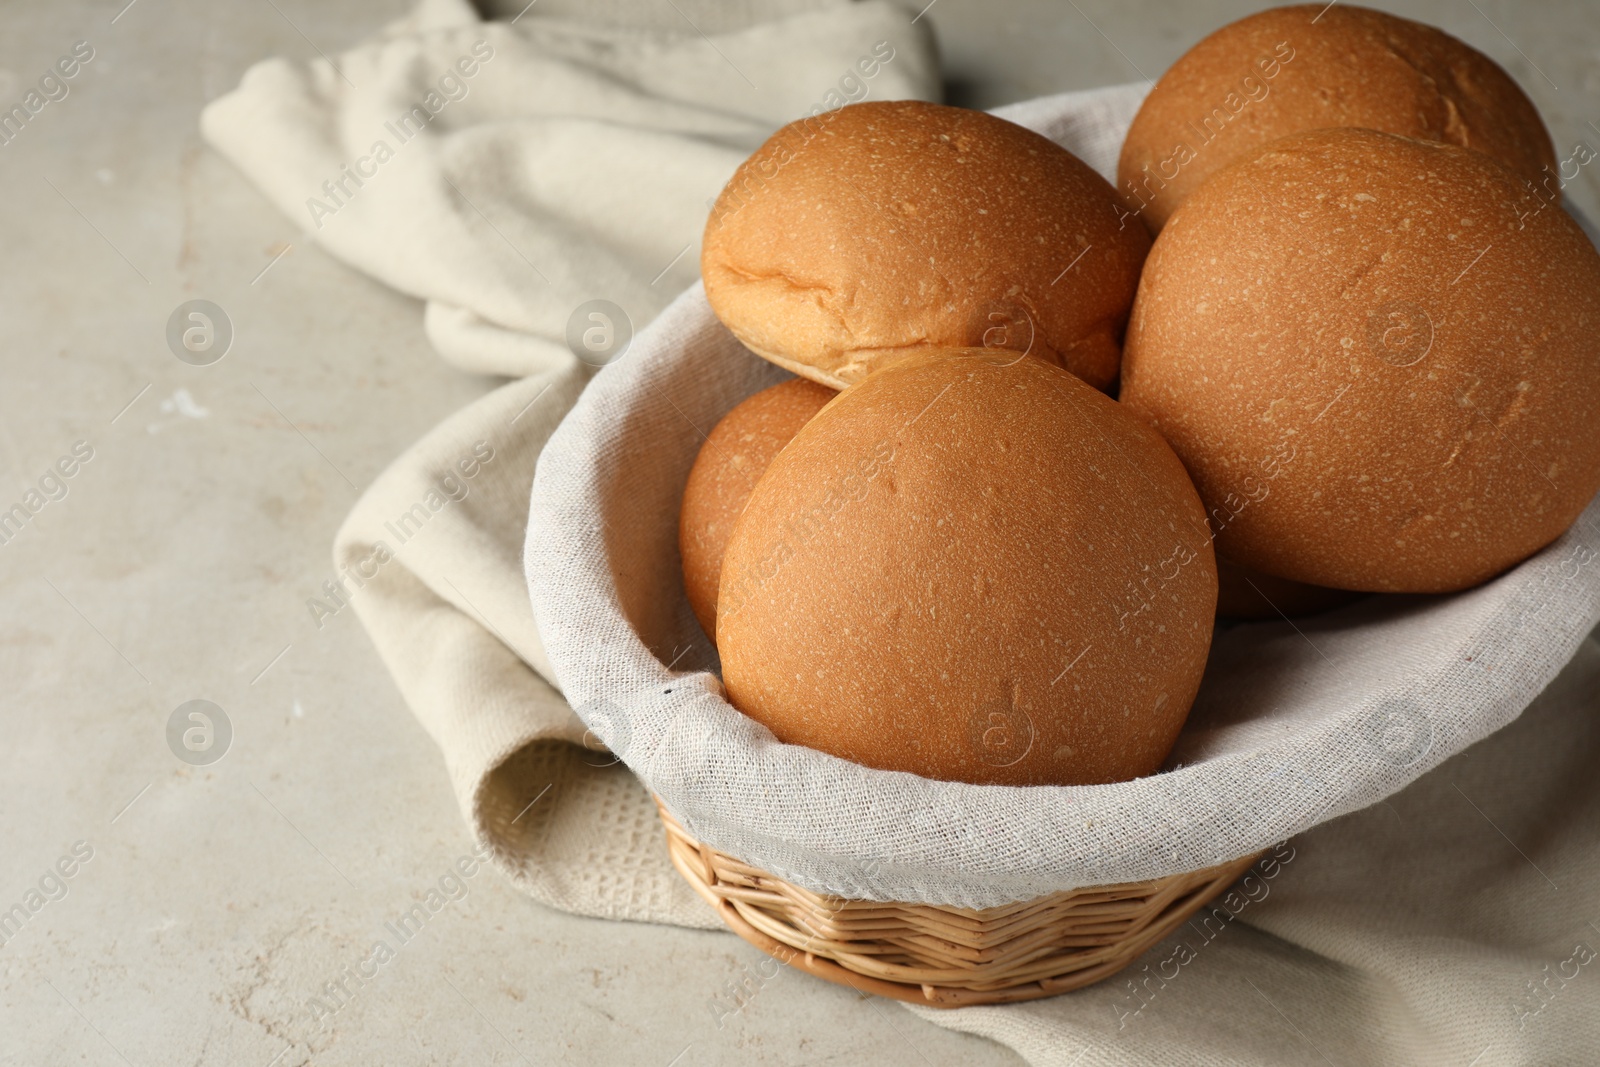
(943,956)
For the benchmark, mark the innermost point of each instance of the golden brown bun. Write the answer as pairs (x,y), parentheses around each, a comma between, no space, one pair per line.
(1378,359)
(854,236)
(973,567)
(732,459)
(1353,67)
(1245,594)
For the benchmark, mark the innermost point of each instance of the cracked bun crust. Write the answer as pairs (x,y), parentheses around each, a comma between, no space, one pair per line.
(973,567)
(1279,72)
(1378,358)
(734,456)
(855,236)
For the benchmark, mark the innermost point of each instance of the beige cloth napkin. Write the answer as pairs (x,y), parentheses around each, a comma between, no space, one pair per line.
(1453,922)
(1454,925)
(576,161)
(526,169)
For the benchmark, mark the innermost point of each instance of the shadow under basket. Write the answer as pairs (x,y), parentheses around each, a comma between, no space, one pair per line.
(942,956)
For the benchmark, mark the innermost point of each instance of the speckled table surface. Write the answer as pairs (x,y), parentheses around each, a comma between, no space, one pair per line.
(206,905)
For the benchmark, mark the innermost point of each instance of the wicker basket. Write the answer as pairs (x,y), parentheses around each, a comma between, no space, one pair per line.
(942,956)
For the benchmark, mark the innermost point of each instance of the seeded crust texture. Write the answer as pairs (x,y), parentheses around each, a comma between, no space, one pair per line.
(856,236)
(973,567)
(734,456)
(1235,91)
(1379,359)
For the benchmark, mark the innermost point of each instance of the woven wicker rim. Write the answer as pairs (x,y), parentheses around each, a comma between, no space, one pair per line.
(943,956)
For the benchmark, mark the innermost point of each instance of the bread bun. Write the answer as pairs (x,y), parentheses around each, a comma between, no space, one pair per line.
(1377,358)
(972,567)
(855,236)
(1248,595)
(1291,69)
(732,459)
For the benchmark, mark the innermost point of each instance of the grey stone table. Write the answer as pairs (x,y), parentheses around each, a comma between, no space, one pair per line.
(185,912)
